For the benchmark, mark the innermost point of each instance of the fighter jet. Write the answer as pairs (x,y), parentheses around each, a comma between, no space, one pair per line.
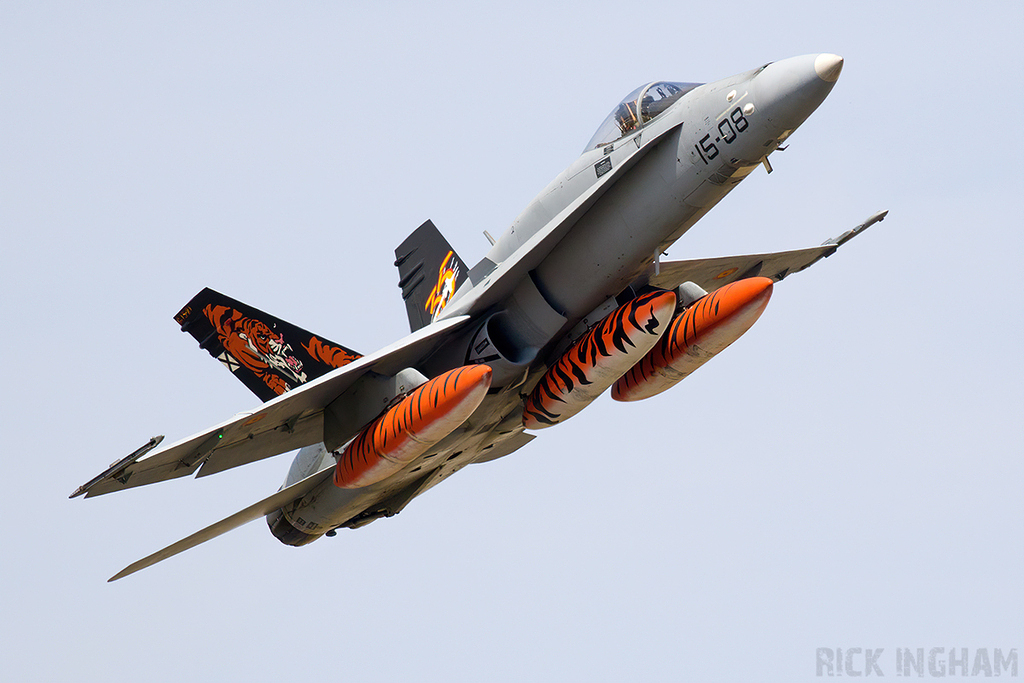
(572,300)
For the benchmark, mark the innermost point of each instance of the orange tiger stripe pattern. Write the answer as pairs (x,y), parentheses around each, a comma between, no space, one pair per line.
(695,336)
(408,430)
(598,358)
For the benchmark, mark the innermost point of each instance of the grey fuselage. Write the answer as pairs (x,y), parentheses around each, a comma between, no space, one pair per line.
(590,236)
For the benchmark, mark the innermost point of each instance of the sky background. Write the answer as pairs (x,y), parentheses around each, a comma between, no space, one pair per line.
(848,475)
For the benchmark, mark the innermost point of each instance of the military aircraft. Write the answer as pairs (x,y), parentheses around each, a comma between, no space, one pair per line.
(573,299)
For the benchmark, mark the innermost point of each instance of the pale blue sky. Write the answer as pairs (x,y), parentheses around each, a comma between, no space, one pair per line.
(847,475)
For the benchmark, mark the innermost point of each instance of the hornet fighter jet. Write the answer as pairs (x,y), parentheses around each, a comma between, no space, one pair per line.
(572,300)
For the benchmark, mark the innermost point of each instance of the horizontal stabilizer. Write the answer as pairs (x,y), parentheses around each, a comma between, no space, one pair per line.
(260,509)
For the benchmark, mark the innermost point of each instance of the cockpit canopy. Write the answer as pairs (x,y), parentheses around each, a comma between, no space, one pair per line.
(637,109)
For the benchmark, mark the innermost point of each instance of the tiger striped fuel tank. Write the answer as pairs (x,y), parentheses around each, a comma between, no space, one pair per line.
(403,433)
(598,359)
(695,336)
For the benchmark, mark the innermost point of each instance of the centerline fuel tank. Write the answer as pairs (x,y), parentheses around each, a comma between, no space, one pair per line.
(599,358)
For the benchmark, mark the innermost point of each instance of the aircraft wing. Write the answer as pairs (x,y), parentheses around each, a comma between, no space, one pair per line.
(290,421)
(712,273)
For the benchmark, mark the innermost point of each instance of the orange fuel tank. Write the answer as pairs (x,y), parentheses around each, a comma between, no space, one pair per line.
(598,358)
(403,433)
(695,336)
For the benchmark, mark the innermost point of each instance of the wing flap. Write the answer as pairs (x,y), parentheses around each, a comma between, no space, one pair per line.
(290,421)
(307,430)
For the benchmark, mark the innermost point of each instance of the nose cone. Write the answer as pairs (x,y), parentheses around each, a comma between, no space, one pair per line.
(789,90)
(828,67)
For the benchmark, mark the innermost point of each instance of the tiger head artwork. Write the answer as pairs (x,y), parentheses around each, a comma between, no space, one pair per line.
(254,345)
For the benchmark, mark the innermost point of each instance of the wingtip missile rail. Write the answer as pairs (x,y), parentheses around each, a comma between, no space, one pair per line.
(122,464)
(853,232)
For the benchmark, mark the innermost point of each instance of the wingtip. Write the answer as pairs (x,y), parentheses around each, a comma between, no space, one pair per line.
(121,574)
(117,467)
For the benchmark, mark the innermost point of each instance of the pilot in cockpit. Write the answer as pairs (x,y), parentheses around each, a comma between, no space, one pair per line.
(651,99)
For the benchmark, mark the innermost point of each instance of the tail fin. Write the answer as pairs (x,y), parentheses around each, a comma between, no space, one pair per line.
(268,355)
(429,272)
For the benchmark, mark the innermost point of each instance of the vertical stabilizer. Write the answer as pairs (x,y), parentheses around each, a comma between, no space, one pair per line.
(429,272)
(268,355)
